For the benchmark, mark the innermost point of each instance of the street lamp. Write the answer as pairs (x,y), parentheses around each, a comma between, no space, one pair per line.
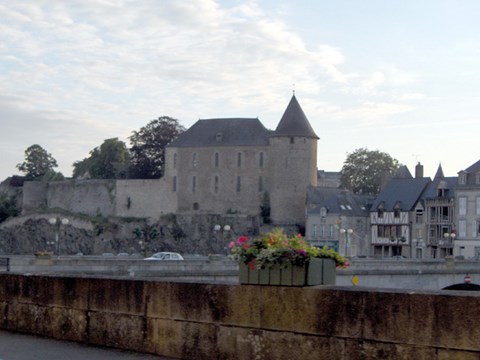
(449,237)
(57,222)
(347,233)
(226,229)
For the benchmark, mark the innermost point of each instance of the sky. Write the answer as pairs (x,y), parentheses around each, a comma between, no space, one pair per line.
(401,77)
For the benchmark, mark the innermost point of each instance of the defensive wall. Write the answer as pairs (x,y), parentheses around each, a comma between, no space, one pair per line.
(220,321)
(125,198)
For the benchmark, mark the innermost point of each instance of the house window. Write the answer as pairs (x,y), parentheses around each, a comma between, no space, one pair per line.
(314,230)
(217,159)
(260,160)
(322,231)
(194,183)
(175,160)
(380,213)
(477,178)
(239,159)
(462,179)
(419,216)
(323,212)
(462,229)
(194,160)
(239,186)
(396,212)
(174,184)
(260,183)
(215,184)
(292,140)
(477,205)
(462,205)
(331,230)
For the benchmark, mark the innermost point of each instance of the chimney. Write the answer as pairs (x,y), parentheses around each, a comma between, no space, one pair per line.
(419,170)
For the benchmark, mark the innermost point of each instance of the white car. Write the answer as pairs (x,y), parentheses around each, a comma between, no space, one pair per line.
(165,256)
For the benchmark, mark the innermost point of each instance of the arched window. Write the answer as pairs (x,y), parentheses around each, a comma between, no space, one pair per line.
(260,160)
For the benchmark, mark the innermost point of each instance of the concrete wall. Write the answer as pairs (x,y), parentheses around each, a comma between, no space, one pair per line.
(205,321)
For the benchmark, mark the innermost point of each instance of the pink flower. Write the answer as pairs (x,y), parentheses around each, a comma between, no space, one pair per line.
(231,244)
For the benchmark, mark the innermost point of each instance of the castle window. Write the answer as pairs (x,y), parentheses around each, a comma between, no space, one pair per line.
(239,159)
(194,183)
(215,184)
(239,186)
(175,160)
(194,160)
(260,183)
(260,160)
(174,184)
(217,156)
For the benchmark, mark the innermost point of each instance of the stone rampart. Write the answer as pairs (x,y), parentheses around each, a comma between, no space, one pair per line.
(206,321)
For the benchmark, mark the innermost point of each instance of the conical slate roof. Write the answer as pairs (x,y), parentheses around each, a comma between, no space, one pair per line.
(439,173)
(294,122)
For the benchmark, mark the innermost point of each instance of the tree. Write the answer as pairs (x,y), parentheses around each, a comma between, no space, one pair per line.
(8,207)
(108,161)
(364,171)
(38,162)
(148,147)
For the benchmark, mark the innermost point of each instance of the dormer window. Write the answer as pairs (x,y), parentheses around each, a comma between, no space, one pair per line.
(219,137)
(477,178)
(462,178)
(323,212)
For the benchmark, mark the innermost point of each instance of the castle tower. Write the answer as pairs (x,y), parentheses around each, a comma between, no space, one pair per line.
(293,161)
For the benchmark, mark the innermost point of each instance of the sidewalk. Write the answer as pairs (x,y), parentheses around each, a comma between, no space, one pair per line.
(15,346)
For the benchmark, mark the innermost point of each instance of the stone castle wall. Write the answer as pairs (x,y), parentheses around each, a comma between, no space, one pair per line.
(108,198)
(220,321)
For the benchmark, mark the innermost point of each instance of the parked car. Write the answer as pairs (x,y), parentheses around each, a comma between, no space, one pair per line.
(165,256)
(123,254)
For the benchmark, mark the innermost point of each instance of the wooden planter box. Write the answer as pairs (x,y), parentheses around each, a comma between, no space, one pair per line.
(316,272)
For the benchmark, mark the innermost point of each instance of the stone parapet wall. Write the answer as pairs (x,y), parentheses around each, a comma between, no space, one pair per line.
(206,321)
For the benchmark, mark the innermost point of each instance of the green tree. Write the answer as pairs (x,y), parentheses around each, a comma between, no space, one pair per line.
(108,161)
(364,171)
(38,162)
(8,207)
(148,147)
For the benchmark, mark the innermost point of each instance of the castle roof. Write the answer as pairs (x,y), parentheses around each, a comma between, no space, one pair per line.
(224,132)
(294,122)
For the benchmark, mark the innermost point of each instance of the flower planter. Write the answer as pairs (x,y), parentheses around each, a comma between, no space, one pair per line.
(315,272)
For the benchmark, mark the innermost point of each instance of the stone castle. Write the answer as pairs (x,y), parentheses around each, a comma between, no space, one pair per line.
(231,170)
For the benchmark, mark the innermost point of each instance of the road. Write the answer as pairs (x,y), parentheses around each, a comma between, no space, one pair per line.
(14,346)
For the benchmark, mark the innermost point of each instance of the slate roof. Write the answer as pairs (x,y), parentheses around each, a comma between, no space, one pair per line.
(224,132)
(338,201)
(473,168)
(294,122)
(449,183)
(403,191)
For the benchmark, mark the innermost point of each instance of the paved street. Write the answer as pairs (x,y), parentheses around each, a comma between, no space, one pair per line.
(14,346)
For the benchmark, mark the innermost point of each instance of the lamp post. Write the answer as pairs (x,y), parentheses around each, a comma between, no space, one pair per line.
(449,237)
(225,230)
(347,233)
(57,222)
